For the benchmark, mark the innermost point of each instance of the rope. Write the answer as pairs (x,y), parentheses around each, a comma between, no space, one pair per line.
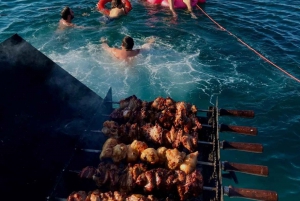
(260,55)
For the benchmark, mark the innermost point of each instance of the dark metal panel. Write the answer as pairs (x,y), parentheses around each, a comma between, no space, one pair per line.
(44,111)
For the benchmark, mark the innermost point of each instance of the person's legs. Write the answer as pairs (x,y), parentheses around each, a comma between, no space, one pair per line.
(188,4)
(171,6)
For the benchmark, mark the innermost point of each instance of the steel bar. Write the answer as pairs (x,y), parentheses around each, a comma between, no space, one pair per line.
(221,112)
(234,113)
(240,146)
(226,166)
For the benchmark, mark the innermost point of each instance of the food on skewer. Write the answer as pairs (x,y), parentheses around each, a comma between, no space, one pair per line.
(162,121)
(97,195)
(171,158)
(137,176)
(126,133)
(107,149)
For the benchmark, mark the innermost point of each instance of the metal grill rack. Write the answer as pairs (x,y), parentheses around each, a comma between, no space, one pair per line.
(210,162)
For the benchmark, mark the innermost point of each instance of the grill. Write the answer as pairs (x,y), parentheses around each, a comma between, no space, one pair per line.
(210,163)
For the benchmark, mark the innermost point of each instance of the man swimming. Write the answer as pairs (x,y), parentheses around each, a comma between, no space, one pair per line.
(67,15)
(117,9)
(126,50)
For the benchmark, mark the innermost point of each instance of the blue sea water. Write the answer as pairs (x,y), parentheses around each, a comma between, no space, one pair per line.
(193,61)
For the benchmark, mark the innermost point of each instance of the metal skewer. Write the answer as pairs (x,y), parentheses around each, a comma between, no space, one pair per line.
(226,166)
(229,191)
(221,112)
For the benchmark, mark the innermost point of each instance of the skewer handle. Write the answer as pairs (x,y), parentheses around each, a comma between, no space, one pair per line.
(249,147)
(250,193)
(238,129)
(258,170)
(237,113)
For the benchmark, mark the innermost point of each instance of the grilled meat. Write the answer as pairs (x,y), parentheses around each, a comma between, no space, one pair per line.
(158,179)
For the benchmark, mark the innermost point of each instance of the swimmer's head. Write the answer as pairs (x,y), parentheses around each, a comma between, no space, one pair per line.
(66,12)
(127,43)
(117,4)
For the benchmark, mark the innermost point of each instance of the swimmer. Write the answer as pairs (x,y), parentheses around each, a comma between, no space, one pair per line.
(118,9)
(126,50)
(188,4)
(67,15)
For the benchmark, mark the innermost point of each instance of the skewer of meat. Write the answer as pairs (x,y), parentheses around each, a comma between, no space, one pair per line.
(97,195)
(139,150)
(138,176)
(162,121)
(156,134)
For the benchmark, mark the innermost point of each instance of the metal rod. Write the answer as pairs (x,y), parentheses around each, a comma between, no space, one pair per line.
(221,112)
(204,142)
(207,188)
(205,163)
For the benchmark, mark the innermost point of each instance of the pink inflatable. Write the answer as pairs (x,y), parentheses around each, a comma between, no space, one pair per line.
(177,3)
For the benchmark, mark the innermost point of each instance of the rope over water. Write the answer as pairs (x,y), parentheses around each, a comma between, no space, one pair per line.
(260,55)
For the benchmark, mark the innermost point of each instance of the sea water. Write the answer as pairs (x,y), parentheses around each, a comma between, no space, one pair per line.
(192,60)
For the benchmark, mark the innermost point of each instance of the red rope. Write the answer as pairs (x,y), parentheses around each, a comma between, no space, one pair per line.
(260,55)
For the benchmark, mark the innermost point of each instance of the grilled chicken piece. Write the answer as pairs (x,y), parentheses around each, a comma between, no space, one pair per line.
(190,141)
(87,172)
(107,174)
(150,155)
(132,154)
(161,152)
(129,176)
(96,195)
(153,133)
(190,162)
(110,128)
(139,197)
(174,158)
(77,196)
(139,146)
(119,152)
(107,148)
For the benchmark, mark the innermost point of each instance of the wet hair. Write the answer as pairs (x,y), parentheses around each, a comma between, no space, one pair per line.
(65,13)
(127,43)
(117,4)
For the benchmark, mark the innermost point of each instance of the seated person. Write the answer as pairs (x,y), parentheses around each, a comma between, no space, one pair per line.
(188,4)
(126,50)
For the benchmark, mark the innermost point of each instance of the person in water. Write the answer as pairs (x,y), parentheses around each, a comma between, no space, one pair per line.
(126,50)
(118,9)
(188,4)
(67,15)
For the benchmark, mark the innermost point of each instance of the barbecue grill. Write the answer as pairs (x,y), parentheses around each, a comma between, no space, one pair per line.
(210,162)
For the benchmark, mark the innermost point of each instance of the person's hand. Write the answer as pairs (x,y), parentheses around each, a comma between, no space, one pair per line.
(151,40)
(103,40)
